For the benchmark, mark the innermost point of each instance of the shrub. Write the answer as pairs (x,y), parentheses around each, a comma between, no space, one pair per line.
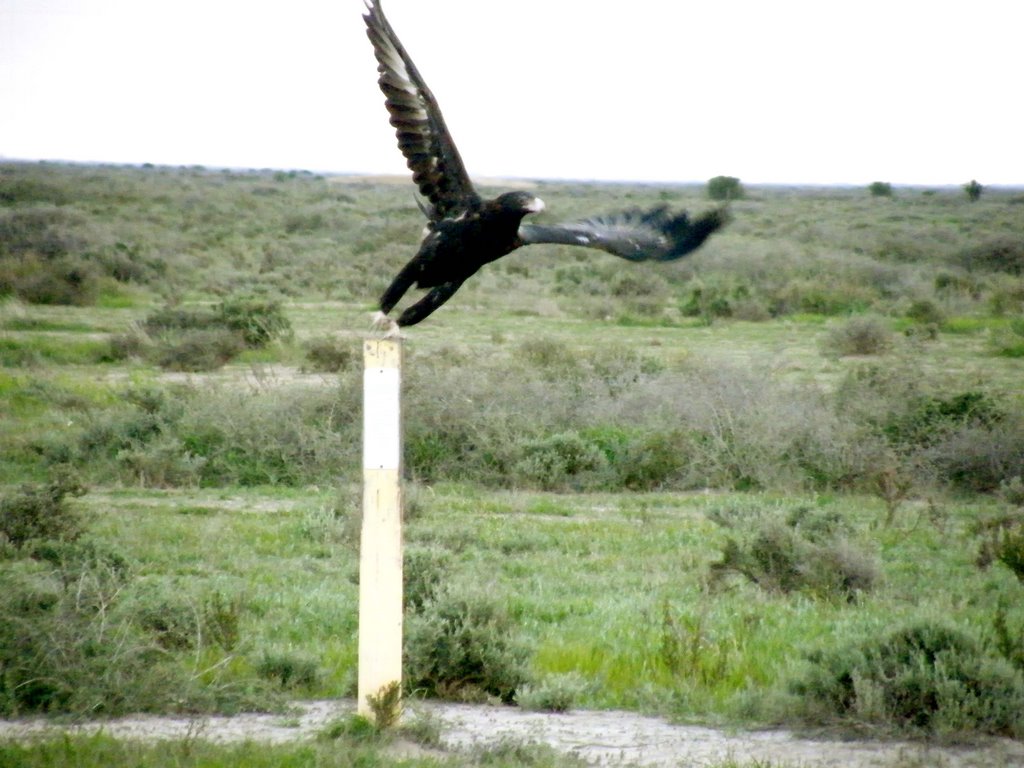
(725,188)
(973,190)
(288,670)
(1009,341)
(48,231)
(329,355)
(125,346)
(926,677)
(930,419)
(179,620)
(999,254)
(880,189)
(688,649)
(803,552)
(41,512)
(560,461)
(464,647)
(259,321)
(62,280)
(199,350)
(1002,539)
(424,571)
(858,336)
(979,457)
(61,650)
(181,319)
(926,312)
(557,693)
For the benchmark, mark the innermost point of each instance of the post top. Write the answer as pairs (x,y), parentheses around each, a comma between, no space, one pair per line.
(382,353)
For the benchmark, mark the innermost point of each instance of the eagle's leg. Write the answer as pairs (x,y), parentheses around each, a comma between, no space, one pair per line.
(402,282)
(434,299)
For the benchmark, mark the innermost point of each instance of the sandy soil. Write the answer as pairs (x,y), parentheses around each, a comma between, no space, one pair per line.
(601,738)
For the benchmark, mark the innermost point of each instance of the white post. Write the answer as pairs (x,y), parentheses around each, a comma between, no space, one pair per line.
(380,551)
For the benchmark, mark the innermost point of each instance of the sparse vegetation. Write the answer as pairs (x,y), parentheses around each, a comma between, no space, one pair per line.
(586,438)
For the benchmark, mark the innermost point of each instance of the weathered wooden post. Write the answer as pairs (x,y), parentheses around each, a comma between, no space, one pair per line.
(380,550)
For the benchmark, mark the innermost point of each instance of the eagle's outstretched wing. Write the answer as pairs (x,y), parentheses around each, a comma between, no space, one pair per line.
(429,151)
(655,234)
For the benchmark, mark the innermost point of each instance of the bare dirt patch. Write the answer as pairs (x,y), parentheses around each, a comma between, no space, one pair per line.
(600,738)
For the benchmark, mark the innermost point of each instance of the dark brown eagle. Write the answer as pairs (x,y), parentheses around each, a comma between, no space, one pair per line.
(464,231)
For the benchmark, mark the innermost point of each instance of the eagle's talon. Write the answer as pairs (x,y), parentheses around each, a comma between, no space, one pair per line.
(391,329)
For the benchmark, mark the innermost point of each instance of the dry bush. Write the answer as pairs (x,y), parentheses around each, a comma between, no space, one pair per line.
(198,350)
(806,550)
(330,355)
(858,336)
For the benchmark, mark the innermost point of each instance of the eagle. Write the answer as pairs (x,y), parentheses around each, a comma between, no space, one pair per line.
(464,231)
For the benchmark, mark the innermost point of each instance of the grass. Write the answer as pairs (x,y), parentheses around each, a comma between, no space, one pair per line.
(342,748)
(588,586)
(610,588)
(100,751)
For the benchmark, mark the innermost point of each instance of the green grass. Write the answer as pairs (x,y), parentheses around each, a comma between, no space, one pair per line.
(589,583)
(340,750)
(31,351)
(101,751)
(609,586)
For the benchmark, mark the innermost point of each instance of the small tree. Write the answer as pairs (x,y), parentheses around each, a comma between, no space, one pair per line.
(973,190)
(725,188)
(880,189)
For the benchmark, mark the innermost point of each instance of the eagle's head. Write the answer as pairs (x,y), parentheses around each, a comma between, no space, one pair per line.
(519,202)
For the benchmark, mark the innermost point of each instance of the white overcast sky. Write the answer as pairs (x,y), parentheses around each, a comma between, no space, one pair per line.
(771,91)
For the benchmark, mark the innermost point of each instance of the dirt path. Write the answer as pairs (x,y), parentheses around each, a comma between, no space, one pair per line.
(601,738)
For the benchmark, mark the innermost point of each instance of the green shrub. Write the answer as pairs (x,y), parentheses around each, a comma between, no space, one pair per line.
(725,188)
(1009,341)
(926,677)
(48,231)
(973,190)
(999,254)
(561,461)
(931,419)
(926,312)
(62,280)
(465,648)
(258,320)
(707,302)
(1002,540)
(69,643)
(689,650)
(556,693)
(880,189)
(1009,640)
(1010,552)
(288,669)
(177,619)
(425,569)
(41,512)
(204,339)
